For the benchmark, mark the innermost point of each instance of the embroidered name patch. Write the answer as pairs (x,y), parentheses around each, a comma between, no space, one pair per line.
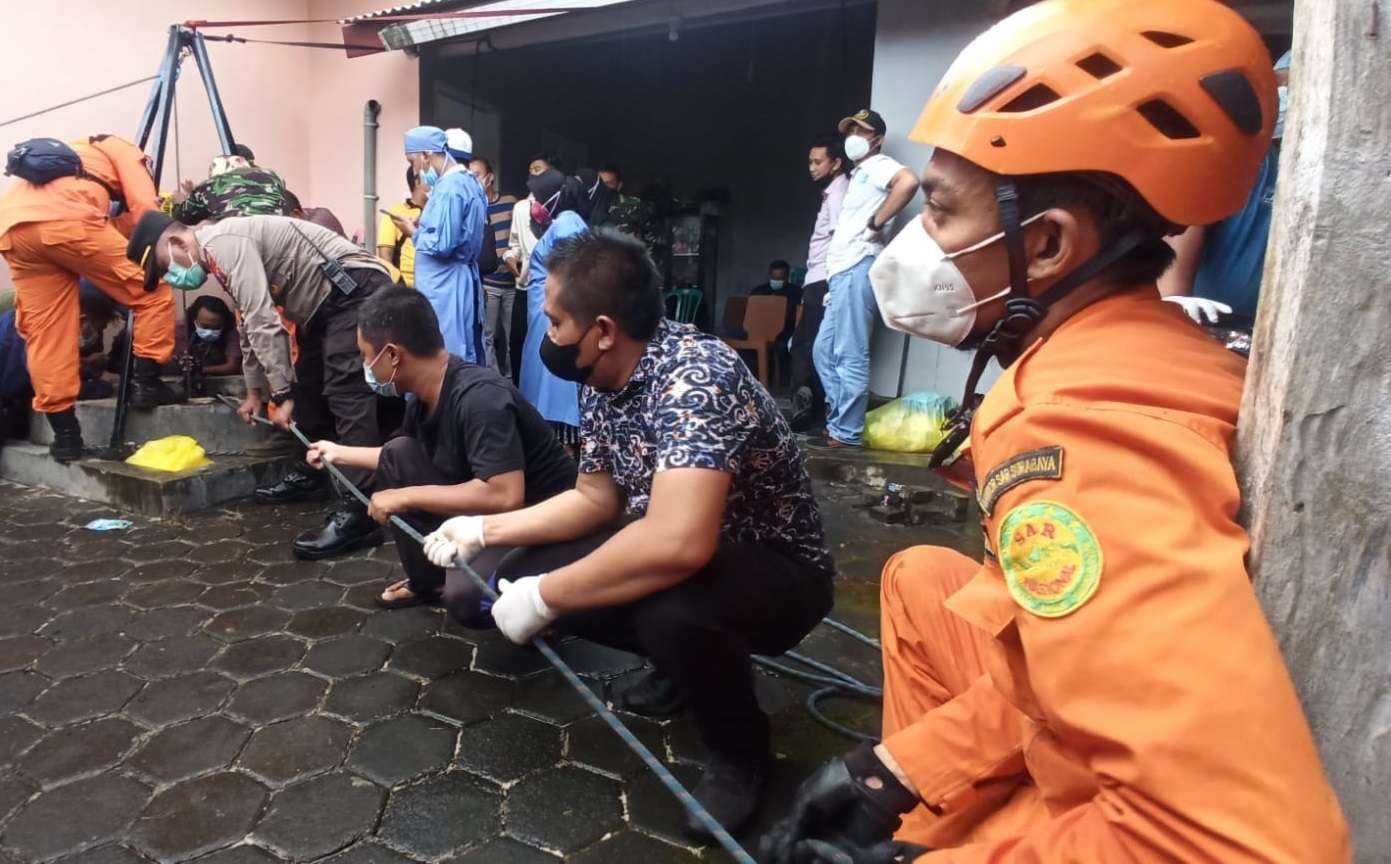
(1050,558)
(1045,463)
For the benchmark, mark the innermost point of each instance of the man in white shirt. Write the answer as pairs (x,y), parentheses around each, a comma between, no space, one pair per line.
(879,189)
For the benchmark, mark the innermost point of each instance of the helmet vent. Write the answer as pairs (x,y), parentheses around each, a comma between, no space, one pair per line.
(1098,66)
(1166,40)
(1035,97)
(1167,119)
(987,86)
(1235,95)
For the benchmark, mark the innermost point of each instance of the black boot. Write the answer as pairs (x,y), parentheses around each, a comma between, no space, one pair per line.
(730,792)
(655,695)
(295,486)
(147,390)
(346,529)
(67,437)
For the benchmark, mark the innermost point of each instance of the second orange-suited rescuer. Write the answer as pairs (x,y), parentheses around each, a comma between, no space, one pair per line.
(55,226)
(1103,687)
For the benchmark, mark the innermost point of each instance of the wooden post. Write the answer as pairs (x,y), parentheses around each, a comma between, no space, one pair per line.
(1314,446)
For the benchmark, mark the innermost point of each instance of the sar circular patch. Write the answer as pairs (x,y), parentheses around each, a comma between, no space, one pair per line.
(1050,558)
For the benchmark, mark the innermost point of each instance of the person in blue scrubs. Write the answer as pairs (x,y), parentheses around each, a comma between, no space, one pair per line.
(558,212)
(448,238)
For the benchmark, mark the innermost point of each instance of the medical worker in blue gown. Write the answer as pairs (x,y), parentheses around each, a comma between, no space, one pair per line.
(448,238)
(559,209)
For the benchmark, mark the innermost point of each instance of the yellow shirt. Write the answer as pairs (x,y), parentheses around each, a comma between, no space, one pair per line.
(388,235)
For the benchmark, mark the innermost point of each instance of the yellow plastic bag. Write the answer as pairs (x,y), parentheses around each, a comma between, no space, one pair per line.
(910,424)
(174,453)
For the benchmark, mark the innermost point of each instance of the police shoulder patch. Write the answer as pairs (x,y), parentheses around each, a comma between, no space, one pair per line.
(1045,463)
(1050,558)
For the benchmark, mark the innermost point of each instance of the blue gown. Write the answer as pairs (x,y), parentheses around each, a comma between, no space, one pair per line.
(448,241)
(557,400)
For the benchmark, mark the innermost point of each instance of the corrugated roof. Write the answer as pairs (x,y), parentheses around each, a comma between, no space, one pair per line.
(406,34)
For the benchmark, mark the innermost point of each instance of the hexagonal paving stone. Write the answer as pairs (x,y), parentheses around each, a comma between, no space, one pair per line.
(112,854)
(101,569)
(363,597)
(80,750)
(23,620)
(317,816)
(368,853)
(276,697)
(169,657)
(591,742)
(226,574)
(368,697)
(15,789)
(432,657)
(190,748)
(158,571)
(504,850)
(499,657)
(18,689)
(16,734)
(508,747)
(167,622)
(295,748)
(233,596)
(440,815)
(90,593)
(653,808)
(77,814)
(306,595)
(180,698)
(361,572)
(98,550)
(74,699)
(403,625)
(632,846)
(323,623)
(565,809)
(87,621)
(401,748)
(290,572)
(256,657)
(245,623)
(467,697)
(167,592)
(84,656)
(18,652)
(219,552)
(167,550)
(349,655)
(37,590)
(244,854)
(551,698)
(198,816)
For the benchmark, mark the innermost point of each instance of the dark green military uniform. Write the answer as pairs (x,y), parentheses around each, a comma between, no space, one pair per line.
(249,191)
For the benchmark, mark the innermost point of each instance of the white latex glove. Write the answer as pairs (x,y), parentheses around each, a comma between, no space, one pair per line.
(519,612)
(1199,308)
(458,539)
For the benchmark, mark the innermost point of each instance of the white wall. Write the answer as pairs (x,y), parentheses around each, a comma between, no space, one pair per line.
(916,41)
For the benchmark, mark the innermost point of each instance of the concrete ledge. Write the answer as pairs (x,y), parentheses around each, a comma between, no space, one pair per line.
(155,493)
(212,424)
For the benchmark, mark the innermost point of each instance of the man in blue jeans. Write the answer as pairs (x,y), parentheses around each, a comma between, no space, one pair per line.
(879,189)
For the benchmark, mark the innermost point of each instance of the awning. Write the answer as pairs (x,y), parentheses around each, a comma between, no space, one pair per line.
(457,18)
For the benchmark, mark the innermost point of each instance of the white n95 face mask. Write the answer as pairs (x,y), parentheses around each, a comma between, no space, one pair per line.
(922,292)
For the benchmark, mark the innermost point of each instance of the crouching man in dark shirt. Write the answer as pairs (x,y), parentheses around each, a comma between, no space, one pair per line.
(470,443)
(691,535)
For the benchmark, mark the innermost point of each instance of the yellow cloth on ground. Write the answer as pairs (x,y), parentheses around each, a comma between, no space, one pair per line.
(173,453)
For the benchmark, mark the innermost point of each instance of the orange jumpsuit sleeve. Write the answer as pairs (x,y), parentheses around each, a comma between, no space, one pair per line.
(133,173)
(1165,725)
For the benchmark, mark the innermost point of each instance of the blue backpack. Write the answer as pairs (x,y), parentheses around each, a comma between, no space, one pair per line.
(41,160)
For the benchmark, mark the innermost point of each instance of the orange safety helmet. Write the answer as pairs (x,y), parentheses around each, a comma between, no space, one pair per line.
(1177,97)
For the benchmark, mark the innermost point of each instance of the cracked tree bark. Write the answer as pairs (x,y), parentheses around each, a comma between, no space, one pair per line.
(1314,445)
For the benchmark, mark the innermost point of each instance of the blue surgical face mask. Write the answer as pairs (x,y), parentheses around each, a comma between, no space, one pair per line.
(776,284)
(430,176)
(206,334)
(185,278)
(381,388)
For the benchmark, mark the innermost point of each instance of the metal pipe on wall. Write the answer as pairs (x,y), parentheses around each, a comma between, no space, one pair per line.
(370,111)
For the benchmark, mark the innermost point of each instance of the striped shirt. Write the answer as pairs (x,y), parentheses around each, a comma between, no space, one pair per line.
(500,220)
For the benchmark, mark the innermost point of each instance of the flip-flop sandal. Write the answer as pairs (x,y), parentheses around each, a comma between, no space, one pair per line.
(405,602)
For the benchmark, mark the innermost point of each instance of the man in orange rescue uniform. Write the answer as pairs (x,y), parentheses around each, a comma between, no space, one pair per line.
(1104,687)
(51,234)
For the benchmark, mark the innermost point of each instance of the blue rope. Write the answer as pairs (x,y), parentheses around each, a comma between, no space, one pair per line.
(663,774)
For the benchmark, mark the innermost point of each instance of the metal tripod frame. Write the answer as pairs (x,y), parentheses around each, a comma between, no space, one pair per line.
(154,121)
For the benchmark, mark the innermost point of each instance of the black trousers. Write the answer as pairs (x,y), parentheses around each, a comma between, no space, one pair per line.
(404,462)
(803,369)
(332,399)
(749,599)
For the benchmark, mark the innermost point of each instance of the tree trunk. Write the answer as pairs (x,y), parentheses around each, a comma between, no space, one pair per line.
(1314,447)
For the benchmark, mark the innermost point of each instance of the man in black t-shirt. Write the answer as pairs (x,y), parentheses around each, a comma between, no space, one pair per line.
(470,444)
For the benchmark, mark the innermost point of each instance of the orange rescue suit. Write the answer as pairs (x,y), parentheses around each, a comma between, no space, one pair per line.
(1104,687)
(54,233)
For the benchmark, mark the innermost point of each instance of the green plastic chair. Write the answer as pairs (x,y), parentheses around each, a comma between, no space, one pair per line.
(688,302)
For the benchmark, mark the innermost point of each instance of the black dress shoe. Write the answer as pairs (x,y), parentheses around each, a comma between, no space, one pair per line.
(655,695)
(345,530)
(296,486)
(729,791)
(147,389)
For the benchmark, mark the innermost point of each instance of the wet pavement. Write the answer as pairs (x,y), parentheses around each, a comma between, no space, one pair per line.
(186,690)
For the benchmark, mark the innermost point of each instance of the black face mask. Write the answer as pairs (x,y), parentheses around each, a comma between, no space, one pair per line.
(563,360)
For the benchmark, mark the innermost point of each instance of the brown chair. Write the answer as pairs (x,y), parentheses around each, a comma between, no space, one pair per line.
(733,320)
(764,317)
